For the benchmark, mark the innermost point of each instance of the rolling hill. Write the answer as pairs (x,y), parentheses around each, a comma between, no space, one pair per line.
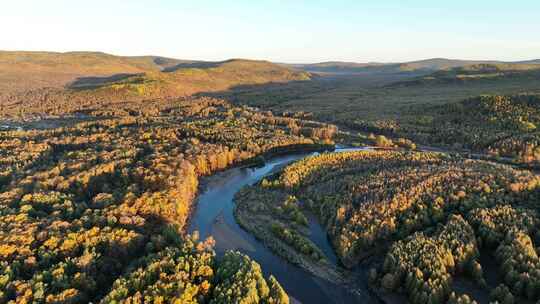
(335,67)
(41,84)
(474,72)
(421,66)
(21,71)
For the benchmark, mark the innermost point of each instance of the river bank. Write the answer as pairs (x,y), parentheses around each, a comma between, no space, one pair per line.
(309,247)
(307,279)
(213,216)
(255,161)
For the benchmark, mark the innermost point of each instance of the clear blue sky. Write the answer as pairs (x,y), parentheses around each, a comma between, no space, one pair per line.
(285,31)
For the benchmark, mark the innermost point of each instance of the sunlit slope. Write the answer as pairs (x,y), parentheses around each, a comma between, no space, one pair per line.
(41,84)
(32,70)
(206,78)
(494,72)
(420,66)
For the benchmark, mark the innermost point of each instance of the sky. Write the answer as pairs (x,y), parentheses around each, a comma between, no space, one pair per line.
(280,31)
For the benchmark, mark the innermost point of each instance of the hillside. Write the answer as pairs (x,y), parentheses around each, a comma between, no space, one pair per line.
(33,70)
(442,63)
(334,67)
(433,64)
(191,78)
(534,61)
(500,125)
(41,84)
(476,72)
(421,66)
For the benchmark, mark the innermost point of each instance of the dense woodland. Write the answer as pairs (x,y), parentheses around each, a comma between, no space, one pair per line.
(480,72)
(430,215)
(101,158)
(95,211)
(502,126)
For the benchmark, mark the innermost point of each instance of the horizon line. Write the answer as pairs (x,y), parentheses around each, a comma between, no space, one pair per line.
(276,62)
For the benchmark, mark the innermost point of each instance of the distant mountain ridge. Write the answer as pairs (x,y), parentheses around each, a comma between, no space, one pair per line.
(420,66)
(43,83)
(24,71)
(476,72)
(534,61)
(21,70)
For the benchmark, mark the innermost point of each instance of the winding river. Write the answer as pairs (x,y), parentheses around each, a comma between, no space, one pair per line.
(214,217)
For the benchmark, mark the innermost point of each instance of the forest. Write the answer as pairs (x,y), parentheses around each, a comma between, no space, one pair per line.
(96,211)
(103,158)
(501,126)
(36,85)
(422,223)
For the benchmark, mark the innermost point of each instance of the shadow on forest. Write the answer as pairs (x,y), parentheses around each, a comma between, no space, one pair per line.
(197,65)
(93,82)
(193,65)
(273,94)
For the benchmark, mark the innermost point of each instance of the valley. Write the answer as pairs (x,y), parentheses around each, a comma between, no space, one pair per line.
(155,180)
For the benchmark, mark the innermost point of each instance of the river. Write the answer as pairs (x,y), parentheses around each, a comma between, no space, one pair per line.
(214,217)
